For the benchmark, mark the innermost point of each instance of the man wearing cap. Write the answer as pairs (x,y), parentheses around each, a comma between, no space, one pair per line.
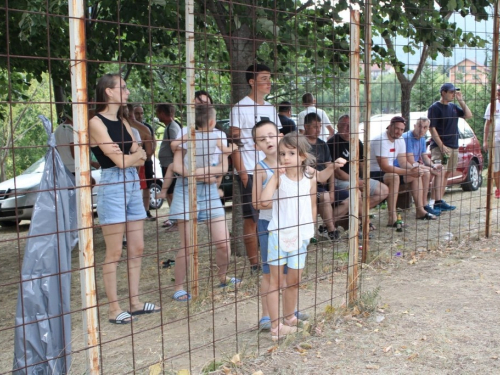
(385,149)
(444,115)
(496,144)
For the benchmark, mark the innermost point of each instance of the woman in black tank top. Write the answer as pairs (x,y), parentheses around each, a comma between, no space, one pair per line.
(119,196)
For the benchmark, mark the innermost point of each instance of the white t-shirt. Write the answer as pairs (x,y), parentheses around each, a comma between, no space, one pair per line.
(383,147)
(325,121)
(64,137)
(497,119)
(244,115)
(215,157)
(137,135)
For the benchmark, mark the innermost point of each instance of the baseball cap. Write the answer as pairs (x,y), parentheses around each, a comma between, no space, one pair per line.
(448,87)
(397,119)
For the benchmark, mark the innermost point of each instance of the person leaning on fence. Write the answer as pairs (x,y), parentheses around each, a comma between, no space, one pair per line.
(209,206)
(385,149)
(416,152)
(244,115)
(292,191)
(284,113)
(444,115)
(119,199)
(324,175)
(496,141)
(339,148)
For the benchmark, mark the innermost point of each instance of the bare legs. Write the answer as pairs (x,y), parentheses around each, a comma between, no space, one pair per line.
(392,182)
(220,237)
(113,235)
(290,294)
(250,240)
(325,211)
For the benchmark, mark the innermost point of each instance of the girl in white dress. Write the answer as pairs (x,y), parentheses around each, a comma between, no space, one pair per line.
(293,193)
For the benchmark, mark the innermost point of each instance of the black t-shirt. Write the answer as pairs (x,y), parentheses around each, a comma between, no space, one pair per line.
(322,154)
(445,119)
(339,148)
(287,124)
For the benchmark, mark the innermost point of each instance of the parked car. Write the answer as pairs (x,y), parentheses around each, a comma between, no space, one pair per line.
(20,193)
(470,159)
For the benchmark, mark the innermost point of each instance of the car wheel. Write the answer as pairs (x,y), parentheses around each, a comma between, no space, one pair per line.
(474,179)
(9,223)
(154,190)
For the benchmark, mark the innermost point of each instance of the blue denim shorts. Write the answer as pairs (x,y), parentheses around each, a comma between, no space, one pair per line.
(119,197)
(209,205)
(277,257)
(263,241)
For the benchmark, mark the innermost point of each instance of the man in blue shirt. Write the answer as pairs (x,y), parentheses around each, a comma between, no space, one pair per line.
(416,153)
(444,115)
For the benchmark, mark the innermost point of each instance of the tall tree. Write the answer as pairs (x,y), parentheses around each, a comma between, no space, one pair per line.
(428,29)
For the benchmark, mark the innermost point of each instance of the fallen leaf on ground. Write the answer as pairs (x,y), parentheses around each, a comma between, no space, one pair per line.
(305,345)
(258,373)
(387,349)
(236,359)
(155,369)
(372,367)
(272,349)
(183,372)
(412,357)
(226,370)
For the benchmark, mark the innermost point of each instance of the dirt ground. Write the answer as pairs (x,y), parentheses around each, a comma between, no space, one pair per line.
(429,303)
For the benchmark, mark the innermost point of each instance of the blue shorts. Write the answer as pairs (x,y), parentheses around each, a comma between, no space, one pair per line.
(293,259)
(119,196)
(263,241)
(208,203)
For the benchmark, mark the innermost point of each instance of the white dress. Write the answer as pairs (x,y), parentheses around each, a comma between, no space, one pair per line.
(292,208)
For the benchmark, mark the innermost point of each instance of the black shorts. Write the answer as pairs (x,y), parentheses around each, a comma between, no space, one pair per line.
(379,176)
(246,199)
(149,172)
(172,186)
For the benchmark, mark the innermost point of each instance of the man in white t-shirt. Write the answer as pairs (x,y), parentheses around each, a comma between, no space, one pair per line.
(385,149)
(309,102)
(244,115)
(496,144)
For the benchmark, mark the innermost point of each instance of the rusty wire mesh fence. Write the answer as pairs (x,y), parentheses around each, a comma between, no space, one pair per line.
(319,63)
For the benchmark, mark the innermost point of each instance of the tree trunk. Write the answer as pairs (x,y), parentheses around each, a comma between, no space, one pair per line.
(405,102)
(242,50)
(60,99)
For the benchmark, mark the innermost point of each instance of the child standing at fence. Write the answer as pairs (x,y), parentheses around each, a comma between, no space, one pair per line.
(209,206)
(293,194)
(265,135)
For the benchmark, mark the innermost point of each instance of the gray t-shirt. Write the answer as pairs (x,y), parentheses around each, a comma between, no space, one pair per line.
(165,155)
(206,142)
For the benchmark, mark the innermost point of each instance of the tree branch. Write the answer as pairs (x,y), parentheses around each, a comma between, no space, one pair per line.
(390,46)
(300,9)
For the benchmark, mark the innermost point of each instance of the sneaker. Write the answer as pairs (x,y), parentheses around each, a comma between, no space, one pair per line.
(301,316)
(432,211)
(150,217)
(322,231)
(443,206)
(334,235)
(265,323)
(497,193)
(254,269)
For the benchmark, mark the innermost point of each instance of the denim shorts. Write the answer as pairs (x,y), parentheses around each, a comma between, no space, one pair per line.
(119,197)
(208,203)
(277,257)
(263,241)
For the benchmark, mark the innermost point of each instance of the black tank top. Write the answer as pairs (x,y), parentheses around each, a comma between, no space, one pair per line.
(118,134)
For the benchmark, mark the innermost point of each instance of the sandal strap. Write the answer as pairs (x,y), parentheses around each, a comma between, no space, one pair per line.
(123,316)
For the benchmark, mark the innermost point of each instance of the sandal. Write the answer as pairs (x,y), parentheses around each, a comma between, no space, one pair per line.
(281,331)
(372,227)
(293,322)
(123,318)
(232,282)
(147,309)
(427,216)
(181,293)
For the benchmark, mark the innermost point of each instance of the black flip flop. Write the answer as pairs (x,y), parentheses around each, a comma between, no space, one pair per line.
(427,216)
(122,317)
(148,308)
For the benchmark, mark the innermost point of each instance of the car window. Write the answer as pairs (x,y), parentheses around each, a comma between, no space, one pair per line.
(37,167)
(464,130)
